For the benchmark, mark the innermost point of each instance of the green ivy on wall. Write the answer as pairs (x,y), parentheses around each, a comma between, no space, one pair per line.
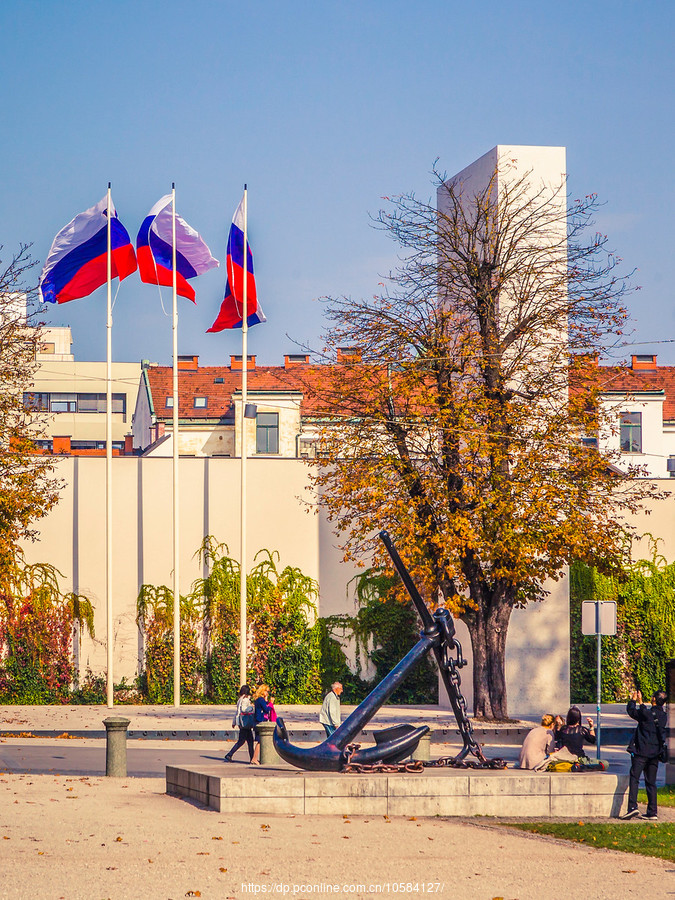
(385,628)
(636,657)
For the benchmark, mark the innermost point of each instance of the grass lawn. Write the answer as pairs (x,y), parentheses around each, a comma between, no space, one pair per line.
(649,839)
(666,795)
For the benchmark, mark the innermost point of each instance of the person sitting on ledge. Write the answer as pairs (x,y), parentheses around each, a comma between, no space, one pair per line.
(538,743)
(573,734)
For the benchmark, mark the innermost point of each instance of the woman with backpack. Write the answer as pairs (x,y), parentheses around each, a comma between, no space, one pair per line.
(244,720)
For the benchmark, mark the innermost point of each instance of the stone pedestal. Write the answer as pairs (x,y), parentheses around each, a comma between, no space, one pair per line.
(422,751)
(116,746)
(268,755)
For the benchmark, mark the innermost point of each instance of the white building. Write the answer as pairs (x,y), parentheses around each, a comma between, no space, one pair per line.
(72,395)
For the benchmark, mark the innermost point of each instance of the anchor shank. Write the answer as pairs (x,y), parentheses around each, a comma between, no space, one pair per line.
(364,712)
(416,597)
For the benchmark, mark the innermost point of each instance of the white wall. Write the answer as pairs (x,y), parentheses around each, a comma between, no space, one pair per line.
(537,656)
(657,444)
(282,516)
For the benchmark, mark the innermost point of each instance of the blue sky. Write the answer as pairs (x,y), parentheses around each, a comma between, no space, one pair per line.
(323,108)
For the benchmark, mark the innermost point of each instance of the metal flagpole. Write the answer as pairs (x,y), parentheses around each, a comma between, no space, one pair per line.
(108,469)
(176,546)
(244,385)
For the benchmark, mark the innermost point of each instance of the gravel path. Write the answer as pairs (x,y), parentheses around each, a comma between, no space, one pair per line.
(73,838)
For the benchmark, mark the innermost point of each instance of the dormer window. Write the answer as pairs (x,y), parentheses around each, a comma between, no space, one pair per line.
(169,403)
(200,403)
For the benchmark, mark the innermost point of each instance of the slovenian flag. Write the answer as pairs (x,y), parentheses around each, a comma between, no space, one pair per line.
(77,263)
(232,308)
(154,250)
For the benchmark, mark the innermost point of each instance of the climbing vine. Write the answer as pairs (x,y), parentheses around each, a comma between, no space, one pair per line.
(283,640)
(636,657)
(384,628)
(37,626)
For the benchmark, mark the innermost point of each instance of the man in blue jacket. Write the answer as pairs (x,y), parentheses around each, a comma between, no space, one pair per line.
(644,748)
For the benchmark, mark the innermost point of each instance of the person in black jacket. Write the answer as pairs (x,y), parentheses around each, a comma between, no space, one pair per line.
(573,734)
(644,748)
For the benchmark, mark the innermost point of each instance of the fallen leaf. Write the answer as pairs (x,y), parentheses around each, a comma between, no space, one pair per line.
(203,853)
(264,827)
(629,871)
(118,839)
(219,839)
(223,869)
(412,819)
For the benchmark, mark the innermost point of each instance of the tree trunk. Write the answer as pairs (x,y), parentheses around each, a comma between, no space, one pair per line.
(488,628)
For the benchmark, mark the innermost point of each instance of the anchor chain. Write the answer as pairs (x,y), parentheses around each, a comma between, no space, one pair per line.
(452,666)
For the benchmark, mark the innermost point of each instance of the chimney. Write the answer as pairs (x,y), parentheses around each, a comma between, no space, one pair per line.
(643,362)
(348,355)
(61,445)
(188,363)
(128,445)
(235,362)
(296,359)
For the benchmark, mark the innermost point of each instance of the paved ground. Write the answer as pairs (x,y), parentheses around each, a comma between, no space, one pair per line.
(148,759)
(96,838)
(72,836)
(218,718)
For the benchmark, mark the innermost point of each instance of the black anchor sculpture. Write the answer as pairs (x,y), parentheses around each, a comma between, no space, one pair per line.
(392,744)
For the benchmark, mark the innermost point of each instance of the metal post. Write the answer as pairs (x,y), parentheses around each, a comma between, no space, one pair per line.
(599,697)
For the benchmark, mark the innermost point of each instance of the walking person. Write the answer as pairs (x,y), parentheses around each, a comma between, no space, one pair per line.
(243,720)
(330,715)
(263,711)
(645,748)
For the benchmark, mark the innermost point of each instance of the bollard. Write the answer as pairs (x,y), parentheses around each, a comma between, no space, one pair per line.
(423,749)
(116,746)
(268,755)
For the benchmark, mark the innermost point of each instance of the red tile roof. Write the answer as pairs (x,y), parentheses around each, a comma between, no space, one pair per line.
(633,381)
(219,383)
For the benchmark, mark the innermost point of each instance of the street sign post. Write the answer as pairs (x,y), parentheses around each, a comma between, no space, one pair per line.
(598,617)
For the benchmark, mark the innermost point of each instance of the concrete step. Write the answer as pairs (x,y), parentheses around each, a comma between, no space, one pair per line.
(283,790)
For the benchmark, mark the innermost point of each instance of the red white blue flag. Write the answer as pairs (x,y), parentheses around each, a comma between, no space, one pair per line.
(154,250)
(77,263)
(231,313)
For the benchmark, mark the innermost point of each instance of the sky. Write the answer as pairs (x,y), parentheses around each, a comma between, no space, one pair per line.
(322,109)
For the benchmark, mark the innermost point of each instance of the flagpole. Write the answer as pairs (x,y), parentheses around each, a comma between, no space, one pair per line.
(244,386)
(108,468)
(176,586)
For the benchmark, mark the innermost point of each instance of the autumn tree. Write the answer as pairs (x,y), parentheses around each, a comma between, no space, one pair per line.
(459,416)
(28,489)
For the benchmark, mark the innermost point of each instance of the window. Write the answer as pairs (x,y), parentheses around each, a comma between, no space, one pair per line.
(87,445)
(200,402)
(267,433)
(631,432)
(48,347)
(95,403)
(169,403)
(60,403)
(35,400)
